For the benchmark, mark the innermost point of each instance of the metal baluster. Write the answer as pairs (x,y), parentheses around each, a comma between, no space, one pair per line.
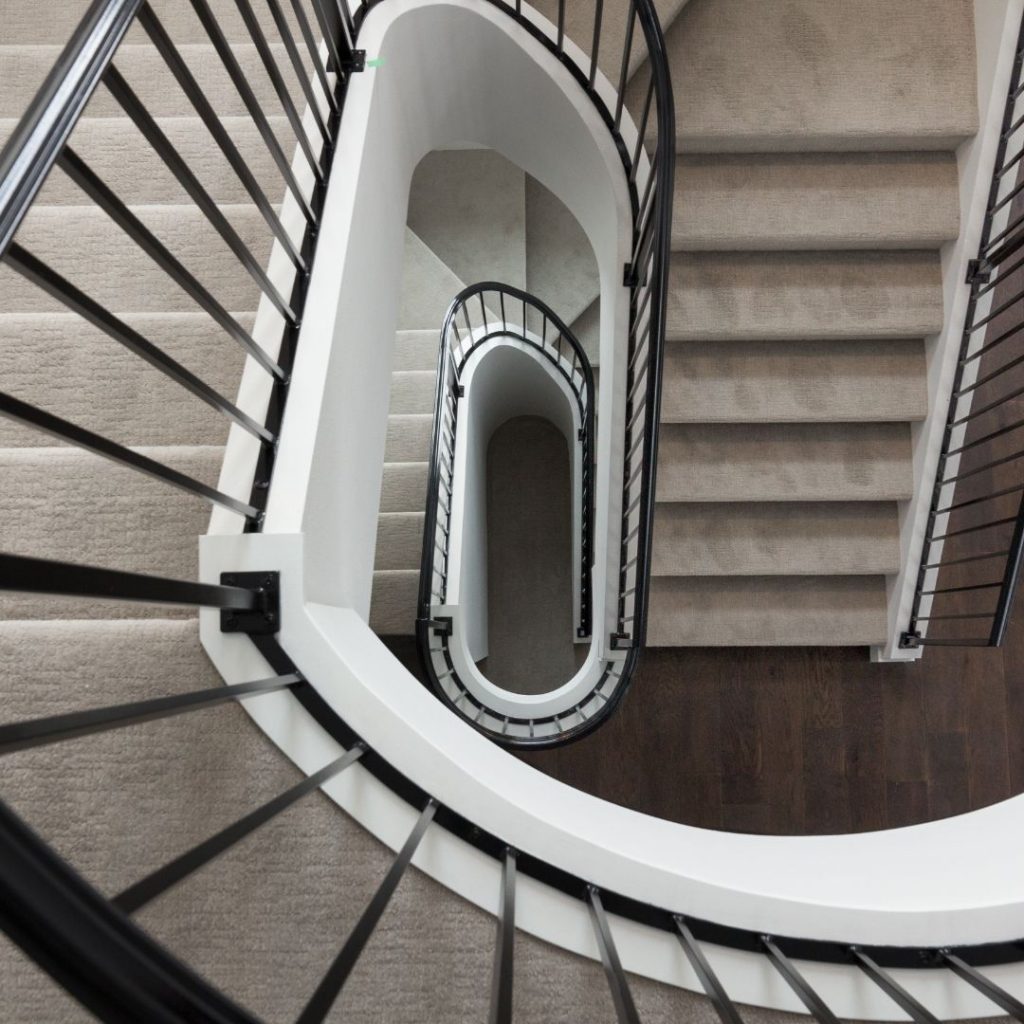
(299,68)
(22,412)
(147,889)
(184,77)
(504,945)
(1011,1005)
(815,1004)
(51,282)
(625,1009)
(151,131)
(329,988)
(306,32)
(38,732)
(896,992)
(277,80)
(598,12)
(90,183)
(252,105)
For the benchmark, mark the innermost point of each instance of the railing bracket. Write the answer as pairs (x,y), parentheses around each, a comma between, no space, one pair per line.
(265,618)
(910,641)
(356,61)
(629,277)
(442,625)
(621,641)
(978,271)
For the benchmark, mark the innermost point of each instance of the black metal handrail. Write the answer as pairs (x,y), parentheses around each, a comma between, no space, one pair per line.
(479,316)
(973,546)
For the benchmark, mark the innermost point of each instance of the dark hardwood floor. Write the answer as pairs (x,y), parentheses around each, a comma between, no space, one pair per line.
(806,740)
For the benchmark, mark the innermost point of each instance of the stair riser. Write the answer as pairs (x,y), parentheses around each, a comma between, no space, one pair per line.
(63,364)
(84,245)
(68,505)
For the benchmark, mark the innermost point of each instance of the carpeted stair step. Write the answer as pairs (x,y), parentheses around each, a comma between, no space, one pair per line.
(86,246)
(408,438)
(776,538)
(22,23)
(788,462)
(114,149)
(826,75)
(412,391)
(393,605)
(756,611)
(404,488)
(428,287)
(23,68)
(794,381)
(416,350)
(812,201)
(62,363)
(804,296)
(399,540)
(64,503)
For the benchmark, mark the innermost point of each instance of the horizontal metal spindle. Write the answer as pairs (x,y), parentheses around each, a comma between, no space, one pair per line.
(60,288)
(1006,1002)
(280,88)
(46,576)
(947,618)
(798,983)
(641,131)
(981,410)
(724,1006)
(241,83)
(64,430)
(1001,432)
(284,30)
(985,466)
(147,889)
(38,732)
(965,559)
(960,590)
(178,166)
(162,41)
(625,1008)
(968,502)
(975,529)
(504,944)
(896,992)
(327,991)
(100,193)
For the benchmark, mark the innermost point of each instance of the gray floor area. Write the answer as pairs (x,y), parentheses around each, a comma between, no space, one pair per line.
(529,558)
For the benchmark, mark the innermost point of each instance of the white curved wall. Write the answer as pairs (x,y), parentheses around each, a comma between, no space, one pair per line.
(953,881)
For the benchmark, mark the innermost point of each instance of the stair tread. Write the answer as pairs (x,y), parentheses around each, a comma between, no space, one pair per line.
(428,286)
(767,611)
(416,350)
(802,74)
(785,462)
(63,364)
(394,601)
(810,201)
(399,540)
(404,487)
(24,66)
(114,149)
(804,296)
(122,520)
(803,381)
(412,391)
(105,263)
(776,538)
(409,436)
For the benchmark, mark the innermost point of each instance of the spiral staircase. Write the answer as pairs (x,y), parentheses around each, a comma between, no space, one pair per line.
(326,839)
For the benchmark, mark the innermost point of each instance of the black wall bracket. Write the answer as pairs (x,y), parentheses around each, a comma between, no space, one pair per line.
(265,618)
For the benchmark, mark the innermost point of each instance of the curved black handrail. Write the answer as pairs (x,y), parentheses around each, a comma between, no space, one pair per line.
(482,314)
